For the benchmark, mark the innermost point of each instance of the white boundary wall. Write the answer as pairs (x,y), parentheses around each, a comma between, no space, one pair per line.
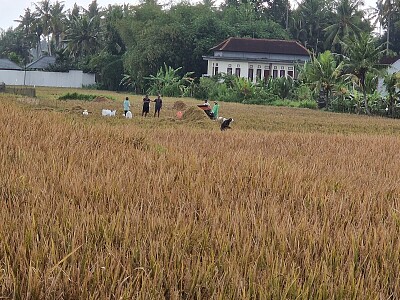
(72,79)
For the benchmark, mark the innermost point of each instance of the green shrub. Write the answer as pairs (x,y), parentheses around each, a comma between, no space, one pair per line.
(343,104)
(77,96)
(299,104)
(303,92)
(308,104)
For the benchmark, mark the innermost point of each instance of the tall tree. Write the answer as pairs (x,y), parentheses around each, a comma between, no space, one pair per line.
(346,21)
(387,11)
(82,37)
(322,73)
(57,20)
(308,23)
(27,27)
(362,55)
(43,13)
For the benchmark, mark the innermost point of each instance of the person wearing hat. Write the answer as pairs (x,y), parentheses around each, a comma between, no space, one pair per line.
(215,110)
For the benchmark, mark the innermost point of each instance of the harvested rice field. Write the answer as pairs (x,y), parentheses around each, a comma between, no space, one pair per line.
(288,204)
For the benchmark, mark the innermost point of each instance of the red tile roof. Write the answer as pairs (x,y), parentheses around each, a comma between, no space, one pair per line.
(261,46)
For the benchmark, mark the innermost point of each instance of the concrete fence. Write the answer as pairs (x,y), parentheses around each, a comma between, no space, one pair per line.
(21,90)
(72,79)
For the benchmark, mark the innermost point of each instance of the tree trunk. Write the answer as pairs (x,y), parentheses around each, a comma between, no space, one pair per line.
(366,101)
(387,36)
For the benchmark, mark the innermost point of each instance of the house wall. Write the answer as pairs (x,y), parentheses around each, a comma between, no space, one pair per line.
(393,68)
(281,68)
(72,79)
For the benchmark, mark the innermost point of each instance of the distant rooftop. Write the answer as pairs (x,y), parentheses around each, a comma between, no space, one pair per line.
(6,64)
(386,60)
(288,47)
(42,63)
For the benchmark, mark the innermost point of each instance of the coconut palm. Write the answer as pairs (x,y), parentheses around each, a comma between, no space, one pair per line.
(361,57)
(345,21)
(57,19)
(312,16)
(27,27)
(42,11)
(82,36)
(376,15)
(387,11)
(323,74)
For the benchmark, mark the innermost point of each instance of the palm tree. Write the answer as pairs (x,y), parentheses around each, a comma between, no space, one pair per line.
(57,19)
(323,74)
(345,22)
(361,57)
(376,15)
(27,26)
(82,36)
(387,10)
(43,14)
(312,15)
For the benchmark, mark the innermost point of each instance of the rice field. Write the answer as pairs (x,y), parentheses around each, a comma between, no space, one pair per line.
(289,204)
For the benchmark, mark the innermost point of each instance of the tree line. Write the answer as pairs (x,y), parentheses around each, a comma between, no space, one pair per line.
(140,47)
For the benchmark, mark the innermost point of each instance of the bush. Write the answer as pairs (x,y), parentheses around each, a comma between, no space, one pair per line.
(76,96)
(311,104)
(299,104)
(303,92)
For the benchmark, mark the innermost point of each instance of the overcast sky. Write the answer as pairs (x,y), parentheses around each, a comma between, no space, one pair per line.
(12,9)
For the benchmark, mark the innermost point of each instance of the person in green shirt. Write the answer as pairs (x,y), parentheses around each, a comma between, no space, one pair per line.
(215,110)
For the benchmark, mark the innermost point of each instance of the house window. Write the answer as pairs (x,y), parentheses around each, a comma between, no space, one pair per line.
(266,75)
(251,72)
(258,74)
(282,73)
(229,71)
(215,70)
(237,72)
(274,73)
(290,73)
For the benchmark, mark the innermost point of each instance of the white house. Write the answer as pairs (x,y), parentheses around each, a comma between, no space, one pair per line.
(392,65)
(256,58)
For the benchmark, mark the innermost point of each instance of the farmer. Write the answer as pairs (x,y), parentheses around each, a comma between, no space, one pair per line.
(215,110)
(146,105)
(158,106)
(127,106)
(206,103)
(225,124)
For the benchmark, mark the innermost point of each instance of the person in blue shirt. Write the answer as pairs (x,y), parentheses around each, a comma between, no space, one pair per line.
(127,105)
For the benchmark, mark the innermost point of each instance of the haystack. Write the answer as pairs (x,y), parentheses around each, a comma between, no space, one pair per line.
(179,105)
(194,114)
(100,99)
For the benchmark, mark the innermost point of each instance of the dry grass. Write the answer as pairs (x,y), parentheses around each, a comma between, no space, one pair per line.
(290,204)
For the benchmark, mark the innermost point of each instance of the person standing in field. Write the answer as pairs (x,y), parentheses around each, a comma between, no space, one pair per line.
(127,106)
(146,105)
(215,110)
(158,105)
